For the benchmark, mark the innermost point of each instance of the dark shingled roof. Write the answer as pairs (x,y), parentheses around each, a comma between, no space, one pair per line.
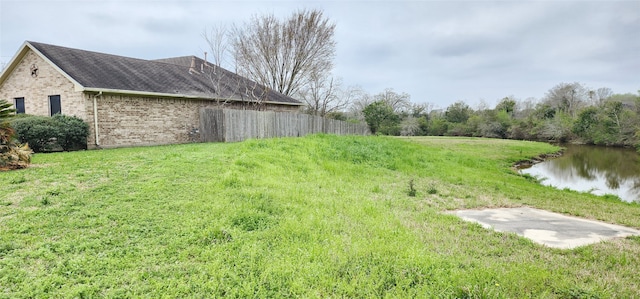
(171,76)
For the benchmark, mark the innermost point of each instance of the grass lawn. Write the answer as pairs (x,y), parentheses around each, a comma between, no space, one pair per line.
(319,216)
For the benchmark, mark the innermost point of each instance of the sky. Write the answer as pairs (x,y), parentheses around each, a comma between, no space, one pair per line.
(439,52)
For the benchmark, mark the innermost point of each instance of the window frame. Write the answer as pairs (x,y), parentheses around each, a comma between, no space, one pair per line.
(20,109)
(57,99)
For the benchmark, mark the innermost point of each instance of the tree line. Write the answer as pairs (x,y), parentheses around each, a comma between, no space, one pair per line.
(569,112)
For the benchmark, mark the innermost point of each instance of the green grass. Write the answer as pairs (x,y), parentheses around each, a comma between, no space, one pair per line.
(319,216)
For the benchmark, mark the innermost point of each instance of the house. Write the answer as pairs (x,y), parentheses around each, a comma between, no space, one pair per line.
(128,101)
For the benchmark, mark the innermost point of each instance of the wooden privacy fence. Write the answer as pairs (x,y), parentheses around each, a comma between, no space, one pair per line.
(229,125)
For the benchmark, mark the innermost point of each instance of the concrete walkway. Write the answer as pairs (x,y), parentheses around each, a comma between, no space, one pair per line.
(547,228)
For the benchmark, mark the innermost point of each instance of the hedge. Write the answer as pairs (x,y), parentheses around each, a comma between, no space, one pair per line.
(46,134)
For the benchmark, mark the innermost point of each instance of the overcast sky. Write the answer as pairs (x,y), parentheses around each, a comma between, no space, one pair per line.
(439,52)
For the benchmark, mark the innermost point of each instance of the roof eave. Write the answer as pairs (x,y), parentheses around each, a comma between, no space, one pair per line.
(171,95)
(139,93)
(13,63)
(284,103)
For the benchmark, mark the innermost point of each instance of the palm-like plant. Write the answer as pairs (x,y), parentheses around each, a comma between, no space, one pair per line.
(12,154)
(6,132)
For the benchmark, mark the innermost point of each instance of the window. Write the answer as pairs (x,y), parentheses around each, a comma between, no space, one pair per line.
(54,105)
(19,105)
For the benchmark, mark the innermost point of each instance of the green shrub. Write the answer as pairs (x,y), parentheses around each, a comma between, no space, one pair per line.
(45,134)
(38,131)
(382,119)
(72,132)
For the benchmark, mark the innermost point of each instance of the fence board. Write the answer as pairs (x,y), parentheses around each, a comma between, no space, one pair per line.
(230,125)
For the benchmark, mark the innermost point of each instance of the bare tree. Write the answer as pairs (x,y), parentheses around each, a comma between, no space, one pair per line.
(568,98)
(220,47)
(481,106)
(324,95)
(525,107)
(228,86)
(599,95)
(410,126)
(360,100)
(420,110)
(217,37)
(351,94)
(285,55)
(400,102)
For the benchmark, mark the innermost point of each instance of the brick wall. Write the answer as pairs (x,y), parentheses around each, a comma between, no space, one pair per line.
(36,90)
(133,121)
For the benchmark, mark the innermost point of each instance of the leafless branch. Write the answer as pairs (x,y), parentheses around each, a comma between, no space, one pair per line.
(284,55)
(324,95)
(228,87)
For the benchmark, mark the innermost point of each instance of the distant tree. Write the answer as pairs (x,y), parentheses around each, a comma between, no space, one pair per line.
(544,111)
(508,105)
(524,108)
(627,99)
(324,95)
(421,110)
(612,123)
(360,100)
(622,122)
(458,112)
(557,129)
(347,96)
(438,125)
(399,102)
(495,124)
(461,129)
(285,55)
(584,126)
(599,95)
(381,118)
(337,115)
(567,98)
(614,110)
(522,129)
(410,126)
(422,114)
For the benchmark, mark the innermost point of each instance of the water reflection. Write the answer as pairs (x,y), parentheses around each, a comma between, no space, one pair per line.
(599,170)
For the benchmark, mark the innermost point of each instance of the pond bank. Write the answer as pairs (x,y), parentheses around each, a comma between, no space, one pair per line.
(593,169)
(538,159)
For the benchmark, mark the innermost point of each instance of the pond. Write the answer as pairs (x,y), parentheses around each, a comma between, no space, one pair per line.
(599,170)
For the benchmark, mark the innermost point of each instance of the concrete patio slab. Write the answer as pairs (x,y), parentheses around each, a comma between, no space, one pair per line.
(547,228)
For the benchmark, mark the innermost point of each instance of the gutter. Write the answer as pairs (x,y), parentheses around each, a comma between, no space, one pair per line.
(95,118)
